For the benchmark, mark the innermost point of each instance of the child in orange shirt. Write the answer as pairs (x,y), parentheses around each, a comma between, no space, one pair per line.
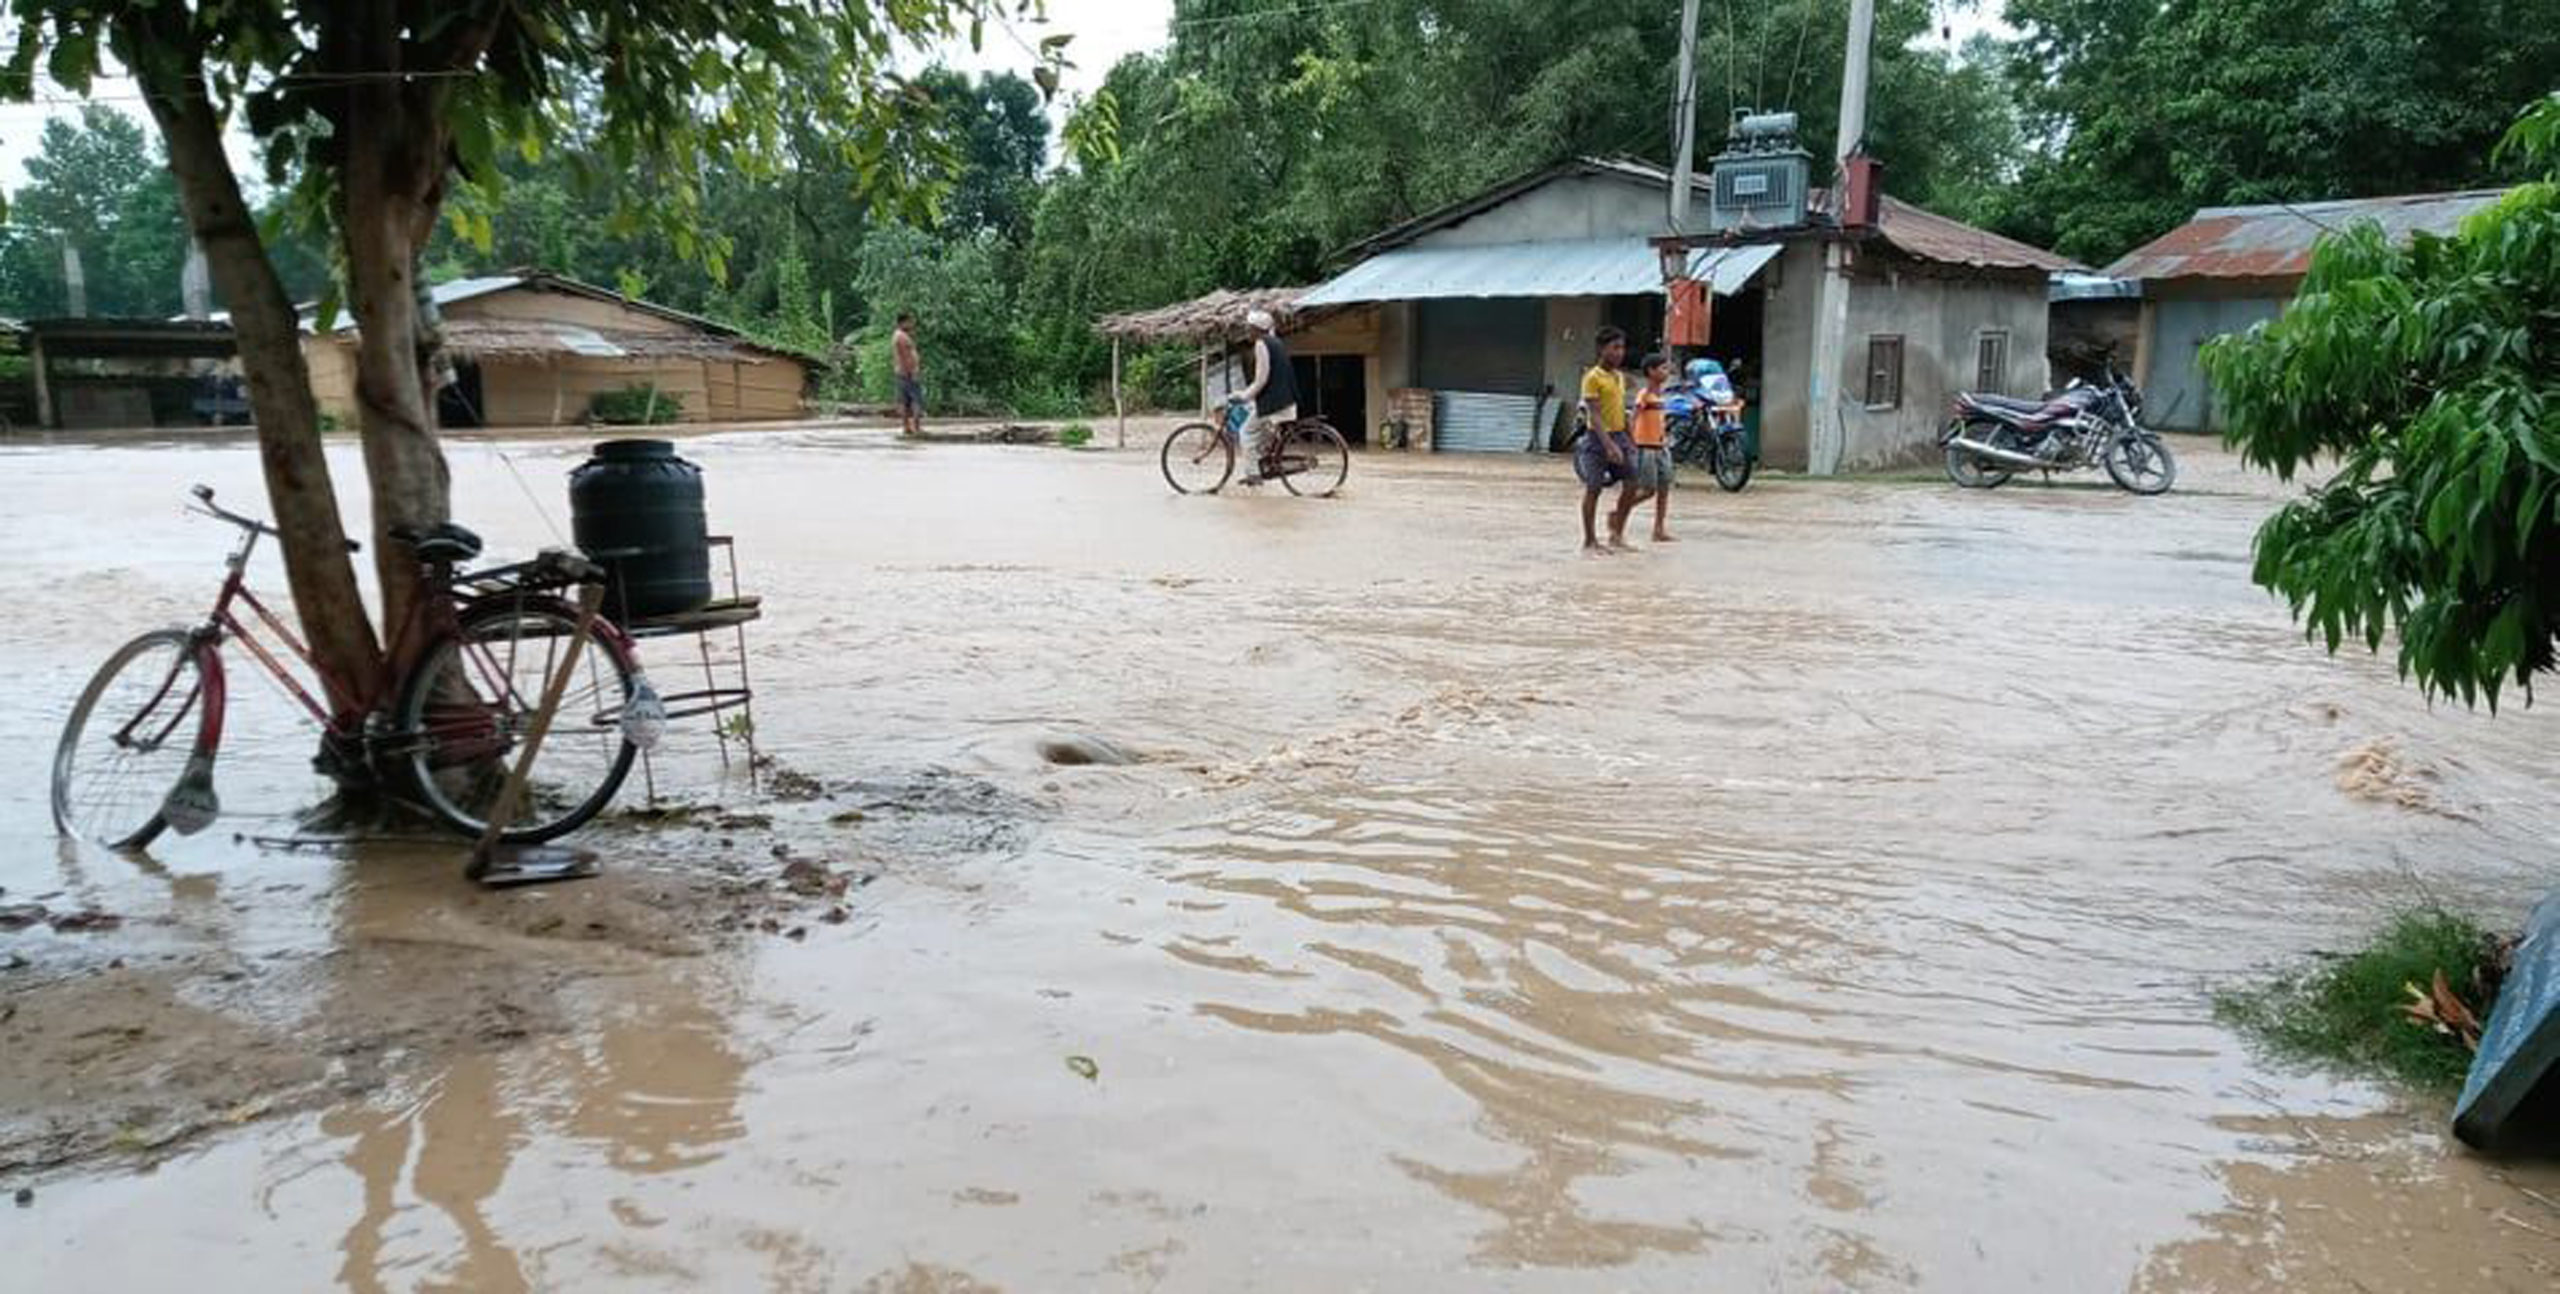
(1653,455)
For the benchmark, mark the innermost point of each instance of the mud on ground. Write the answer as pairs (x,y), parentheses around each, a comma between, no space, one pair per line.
(125,1038)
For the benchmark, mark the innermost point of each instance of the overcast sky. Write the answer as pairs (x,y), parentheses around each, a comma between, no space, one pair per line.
(1104,31)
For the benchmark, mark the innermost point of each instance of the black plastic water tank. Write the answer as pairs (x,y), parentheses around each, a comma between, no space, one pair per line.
(636,509)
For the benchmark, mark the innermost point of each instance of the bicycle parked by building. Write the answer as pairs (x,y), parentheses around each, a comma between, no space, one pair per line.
(465,673)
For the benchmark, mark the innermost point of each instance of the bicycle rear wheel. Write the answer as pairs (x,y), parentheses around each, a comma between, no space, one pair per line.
(142,718)
(1314,460)
(1198,459)
(468,706)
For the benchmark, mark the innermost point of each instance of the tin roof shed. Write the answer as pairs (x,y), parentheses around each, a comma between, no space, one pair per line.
(2274,241)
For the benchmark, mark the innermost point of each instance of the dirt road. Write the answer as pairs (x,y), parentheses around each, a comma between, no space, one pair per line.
(1831,900)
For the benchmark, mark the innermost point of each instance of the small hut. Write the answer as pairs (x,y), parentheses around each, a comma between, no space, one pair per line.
(1333,350)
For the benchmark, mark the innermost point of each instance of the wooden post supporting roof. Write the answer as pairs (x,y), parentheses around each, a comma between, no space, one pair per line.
(1119,407)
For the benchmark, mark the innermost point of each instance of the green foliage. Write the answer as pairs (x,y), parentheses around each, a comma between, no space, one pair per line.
(2351,1010)
(95,184)
(1161,377)
(2148,111)
(641,404)
(955,288)
(2430,373)
(1075,435)
(1273,133)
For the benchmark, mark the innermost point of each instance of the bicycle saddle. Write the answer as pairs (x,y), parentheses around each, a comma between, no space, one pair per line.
(442,544)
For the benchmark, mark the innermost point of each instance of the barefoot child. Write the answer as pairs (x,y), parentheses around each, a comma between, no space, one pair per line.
(1653,453)
(1606,455)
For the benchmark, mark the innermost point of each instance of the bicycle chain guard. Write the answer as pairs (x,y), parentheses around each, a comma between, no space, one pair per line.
(191,805)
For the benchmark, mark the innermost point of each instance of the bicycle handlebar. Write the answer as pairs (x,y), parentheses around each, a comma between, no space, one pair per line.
(204,497)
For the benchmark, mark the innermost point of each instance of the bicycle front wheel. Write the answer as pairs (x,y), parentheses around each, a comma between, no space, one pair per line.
(1198,459)
(141,719)
(1314,460)
(465,711)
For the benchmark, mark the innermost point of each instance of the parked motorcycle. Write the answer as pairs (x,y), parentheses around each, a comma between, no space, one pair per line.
(1703,413)
(1990,438)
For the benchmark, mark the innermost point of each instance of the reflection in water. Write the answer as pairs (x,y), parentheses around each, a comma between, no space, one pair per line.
(654,1092)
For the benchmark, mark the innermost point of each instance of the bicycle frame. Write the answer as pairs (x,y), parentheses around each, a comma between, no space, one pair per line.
(436,609)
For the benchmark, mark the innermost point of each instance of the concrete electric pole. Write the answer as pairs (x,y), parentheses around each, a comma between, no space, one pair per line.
(1826,436)
(1684,118)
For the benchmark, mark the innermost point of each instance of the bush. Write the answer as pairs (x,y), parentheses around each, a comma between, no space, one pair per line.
(1162,377)
(2425,371)
(640,404)
(2355,1010)
(1075,435)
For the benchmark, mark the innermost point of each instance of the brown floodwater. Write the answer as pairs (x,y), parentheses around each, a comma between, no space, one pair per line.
(1831,900)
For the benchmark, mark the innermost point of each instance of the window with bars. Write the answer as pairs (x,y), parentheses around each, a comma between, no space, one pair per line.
(1991,363)
(1884,372)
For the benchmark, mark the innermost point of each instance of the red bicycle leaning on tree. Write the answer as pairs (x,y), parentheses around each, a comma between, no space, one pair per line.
(466,672)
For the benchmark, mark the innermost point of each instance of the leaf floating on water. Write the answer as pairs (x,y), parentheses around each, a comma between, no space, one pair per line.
(1084,1068)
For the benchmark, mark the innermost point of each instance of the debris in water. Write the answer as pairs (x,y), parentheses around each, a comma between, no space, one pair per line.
(90,919)
(1084,1068)
(2377,772)
(849,816)
(2441,1009)
(18,916)
(26,1196)
(808,878)
(1077,751)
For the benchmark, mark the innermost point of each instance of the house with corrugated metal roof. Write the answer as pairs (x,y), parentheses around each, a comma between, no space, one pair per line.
(1468,328)
(535,349)
(2232,267)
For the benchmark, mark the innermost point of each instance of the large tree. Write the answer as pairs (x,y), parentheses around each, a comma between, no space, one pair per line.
(97,186)
(2147,110)
(2429,376)
(377,114)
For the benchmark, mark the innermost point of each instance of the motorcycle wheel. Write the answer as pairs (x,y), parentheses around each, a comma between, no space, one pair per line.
(1973,473)
(2141,464)
(1733,462)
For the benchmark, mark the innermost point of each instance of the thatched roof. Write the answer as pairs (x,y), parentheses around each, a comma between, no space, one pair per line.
(1218,316)
(534,339)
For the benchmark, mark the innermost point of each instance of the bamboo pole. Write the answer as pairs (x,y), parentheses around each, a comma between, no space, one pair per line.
(1119,407)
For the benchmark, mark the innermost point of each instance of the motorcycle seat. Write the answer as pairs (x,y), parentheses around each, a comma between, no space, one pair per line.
(2010,403)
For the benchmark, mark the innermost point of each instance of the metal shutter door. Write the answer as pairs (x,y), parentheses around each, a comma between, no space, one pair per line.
(1481,422)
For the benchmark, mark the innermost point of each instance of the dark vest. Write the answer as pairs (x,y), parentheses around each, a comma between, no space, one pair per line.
(1281,390)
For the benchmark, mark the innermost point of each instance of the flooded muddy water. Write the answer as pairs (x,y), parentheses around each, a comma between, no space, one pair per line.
(1832,900)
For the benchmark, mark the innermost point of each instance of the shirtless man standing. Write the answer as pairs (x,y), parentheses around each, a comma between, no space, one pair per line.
(910,369)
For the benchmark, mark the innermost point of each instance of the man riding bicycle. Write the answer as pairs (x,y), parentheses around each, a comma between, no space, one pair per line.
(1272,395)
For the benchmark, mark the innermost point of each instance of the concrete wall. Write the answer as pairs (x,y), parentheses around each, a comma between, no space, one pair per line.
(1786,350)
(1570,207)
(1571,324)
(1940,319)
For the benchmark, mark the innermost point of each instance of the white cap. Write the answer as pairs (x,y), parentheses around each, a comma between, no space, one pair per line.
(1260,321)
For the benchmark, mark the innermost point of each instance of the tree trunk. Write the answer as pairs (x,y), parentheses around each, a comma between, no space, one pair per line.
(390,192)
(269,334)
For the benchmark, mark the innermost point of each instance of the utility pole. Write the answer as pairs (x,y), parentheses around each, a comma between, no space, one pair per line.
(1684,118)
(1825,435)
